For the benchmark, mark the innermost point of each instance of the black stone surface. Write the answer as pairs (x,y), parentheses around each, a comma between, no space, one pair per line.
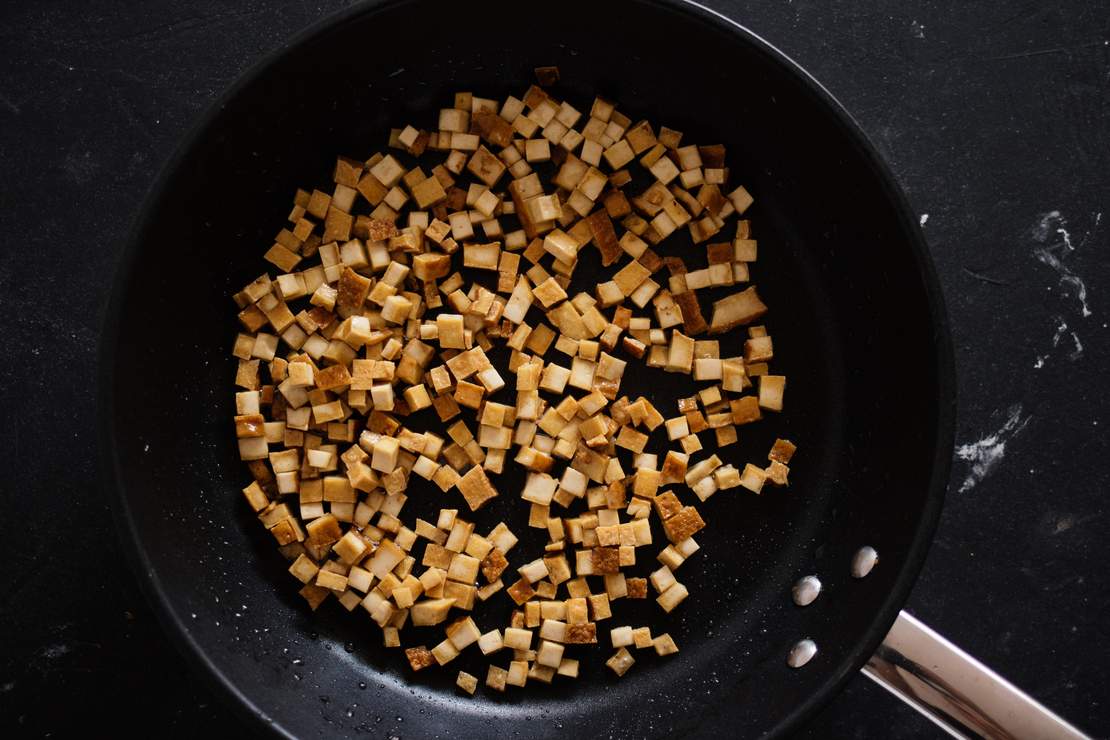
(994,116)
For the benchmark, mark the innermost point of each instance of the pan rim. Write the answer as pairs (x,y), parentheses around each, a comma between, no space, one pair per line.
(173,622)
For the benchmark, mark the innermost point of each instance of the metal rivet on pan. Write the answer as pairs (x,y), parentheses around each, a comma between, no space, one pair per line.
(863,561)
(802,652)
(806,590)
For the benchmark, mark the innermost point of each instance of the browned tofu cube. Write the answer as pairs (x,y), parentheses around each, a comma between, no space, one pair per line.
(719,253)
(621,661)
(606,560)
(692,320)
(429,192)
(674,468)
(467,682)
(485,166)
(758,349)
(380,229)
(684,524)
(335,376)
(581,634)
(314,595)
(753,478)
(771,389)
(476,488)
(493,128)
(739,308)
(497,678)
(782,451)
(493,565)
(604,237)
(419,657)
(777,473)
(353,289)
(250,425)
(667,505)
(520,591)
(745,410)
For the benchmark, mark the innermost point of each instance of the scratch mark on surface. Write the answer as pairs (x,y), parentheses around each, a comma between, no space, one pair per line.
(162,31)
(399,70)
(985,455)
(985,278)
(1042,52)
(1053,254)
(59,63)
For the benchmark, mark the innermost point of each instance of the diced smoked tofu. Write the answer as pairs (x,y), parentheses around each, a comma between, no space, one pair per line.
(476,488)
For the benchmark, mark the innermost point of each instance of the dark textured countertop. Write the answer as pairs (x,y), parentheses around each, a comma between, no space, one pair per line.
(994,116)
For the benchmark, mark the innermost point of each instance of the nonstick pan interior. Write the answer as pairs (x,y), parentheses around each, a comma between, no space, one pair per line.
(856,316)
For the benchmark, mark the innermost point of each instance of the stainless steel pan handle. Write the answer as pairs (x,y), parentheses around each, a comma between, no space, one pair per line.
(956,691)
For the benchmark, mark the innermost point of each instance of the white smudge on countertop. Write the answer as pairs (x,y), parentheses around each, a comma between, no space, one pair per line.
(1057,337)
(985,454)
(1076,353)
(1070,521)
(1056,246)
(53,652)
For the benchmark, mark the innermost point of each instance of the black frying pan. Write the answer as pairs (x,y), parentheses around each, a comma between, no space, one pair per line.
(859,330)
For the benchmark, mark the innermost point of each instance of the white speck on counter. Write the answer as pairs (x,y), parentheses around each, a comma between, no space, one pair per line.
(924,218)
(985,455)
(917,29)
